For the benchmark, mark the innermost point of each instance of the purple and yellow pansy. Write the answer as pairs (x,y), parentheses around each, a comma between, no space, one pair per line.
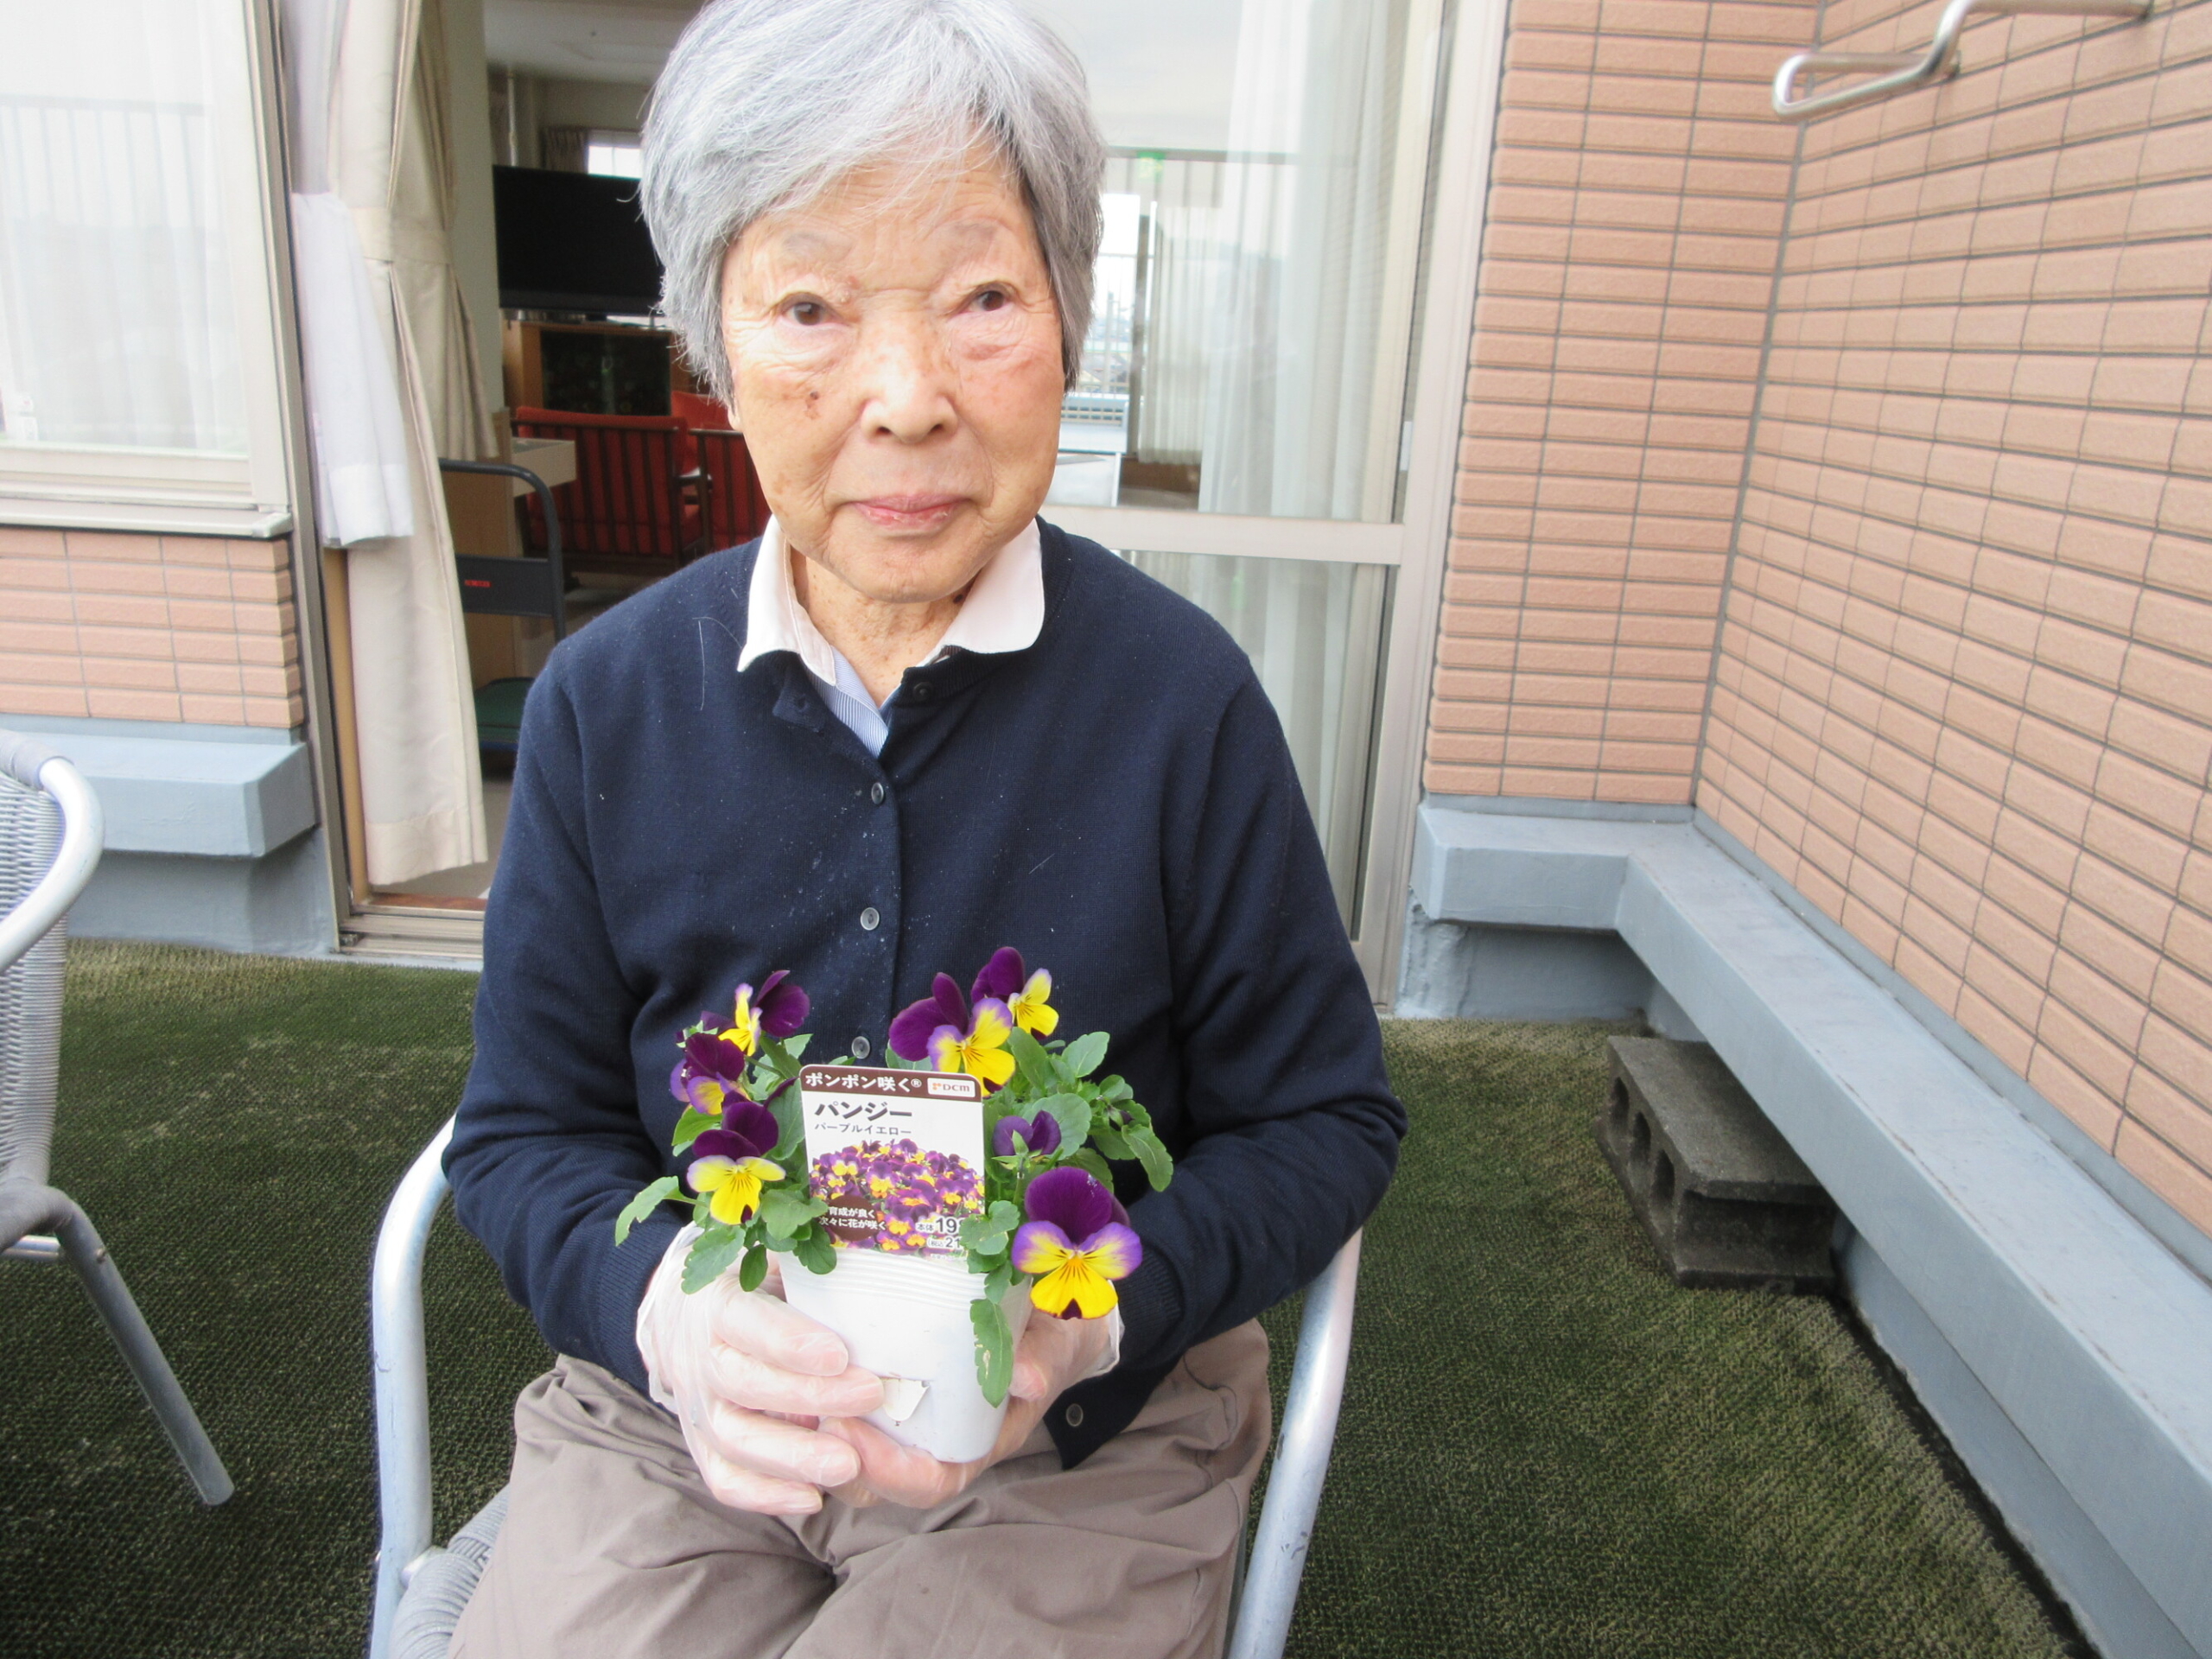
(731,1163)
(1078,1240)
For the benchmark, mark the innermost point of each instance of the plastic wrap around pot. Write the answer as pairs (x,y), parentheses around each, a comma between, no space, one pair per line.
(906,1319)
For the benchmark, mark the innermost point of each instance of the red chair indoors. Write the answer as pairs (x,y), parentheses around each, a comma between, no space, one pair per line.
(736,510)
(631,511)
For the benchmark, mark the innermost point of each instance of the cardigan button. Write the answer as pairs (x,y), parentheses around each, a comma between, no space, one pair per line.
(1075,1416)
(860,1048)
(920,691)
(876,793)
(871,918)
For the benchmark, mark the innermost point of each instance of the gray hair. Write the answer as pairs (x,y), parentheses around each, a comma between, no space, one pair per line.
(765,103)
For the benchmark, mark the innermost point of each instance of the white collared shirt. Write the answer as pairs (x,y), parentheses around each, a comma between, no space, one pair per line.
(1004,611)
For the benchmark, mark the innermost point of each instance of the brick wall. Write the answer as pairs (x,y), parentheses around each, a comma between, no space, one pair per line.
(197,628)
(1963,698)
(1636,203)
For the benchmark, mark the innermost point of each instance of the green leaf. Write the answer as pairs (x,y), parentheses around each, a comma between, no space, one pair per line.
(645,1203)
(1158,1167)
(711,1252)
(752,1269)
(1001,1281)
(791,1121)
(1084,1054)
(1072,1112)
(994,1349)
(690,1127)
(1109,1141)
(795,1044)
(1089,1159)
(1114,1088)
(1040,1069)
(787,1212)
(814,1251)
(986,1234)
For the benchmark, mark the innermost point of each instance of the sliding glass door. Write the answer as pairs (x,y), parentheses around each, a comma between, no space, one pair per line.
(1283,201)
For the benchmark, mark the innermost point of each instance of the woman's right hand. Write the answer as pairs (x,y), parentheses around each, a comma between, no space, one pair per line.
(749,1380)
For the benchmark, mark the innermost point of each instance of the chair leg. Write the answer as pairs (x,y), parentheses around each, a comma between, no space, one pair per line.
(81,1245)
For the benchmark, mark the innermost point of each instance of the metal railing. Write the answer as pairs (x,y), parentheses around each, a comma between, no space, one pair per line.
(1906,70)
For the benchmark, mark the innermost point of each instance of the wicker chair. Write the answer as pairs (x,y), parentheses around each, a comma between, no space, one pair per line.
(421,1588)
(49,844)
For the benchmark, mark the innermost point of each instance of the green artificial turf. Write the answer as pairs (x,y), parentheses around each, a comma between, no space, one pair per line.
(1546,1449)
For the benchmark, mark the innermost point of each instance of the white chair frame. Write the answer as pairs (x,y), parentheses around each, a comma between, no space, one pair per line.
(1277,1562)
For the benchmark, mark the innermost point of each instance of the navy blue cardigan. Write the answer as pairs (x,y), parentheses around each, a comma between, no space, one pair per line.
(1117,801)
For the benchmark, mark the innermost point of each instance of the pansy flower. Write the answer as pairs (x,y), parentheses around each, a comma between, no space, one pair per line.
(1026,994)
(980,1050)
(711,1074)
(1040,1135)
(911,1031)
(731,1163)
(1076,1242)
(775,1011)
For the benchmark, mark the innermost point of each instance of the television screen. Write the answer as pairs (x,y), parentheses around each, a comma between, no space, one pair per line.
(572,241)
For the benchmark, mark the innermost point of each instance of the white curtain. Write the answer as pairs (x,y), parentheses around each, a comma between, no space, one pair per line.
(117,328)
(1314,631)
(1304,386)
(369,98)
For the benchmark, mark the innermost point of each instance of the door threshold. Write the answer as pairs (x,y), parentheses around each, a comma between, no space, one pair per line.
(440,935)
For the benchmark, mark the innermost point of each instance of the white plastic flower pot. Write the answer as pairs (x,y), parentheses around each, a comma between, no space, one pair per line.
(906,1319)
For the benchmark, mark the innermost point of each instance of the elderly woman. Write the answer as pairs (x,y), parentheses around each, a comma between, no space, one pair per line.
(912,724)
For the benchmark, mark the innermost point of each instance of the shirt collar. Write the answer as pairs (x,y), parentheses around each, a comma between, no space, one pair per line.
(1004,610)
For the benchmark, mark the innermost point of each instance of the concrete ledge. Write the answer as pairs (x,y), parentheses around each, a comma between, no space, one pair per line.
(211,799)
(2091,1340)
(211,836)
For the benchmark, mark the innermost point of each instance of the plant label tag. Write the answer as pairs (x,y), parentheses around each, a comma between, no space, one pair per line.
(897,1156)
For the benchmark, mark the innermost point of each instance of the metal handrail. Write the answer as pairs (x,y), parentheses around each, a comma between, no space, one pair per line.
(1912,69)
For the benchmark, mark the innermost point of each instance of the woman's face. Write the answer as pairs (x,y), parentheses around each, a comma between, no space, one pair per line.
(896,352)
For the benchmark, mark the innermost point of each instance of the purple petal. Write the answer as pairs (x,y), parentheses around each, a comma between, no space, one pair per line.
(1041,1134)
(954,1006)
(1072,1200)
(910,1032)
(781,1008)
(1002,977)
(715,1056)
(721,1143)
(755,1123)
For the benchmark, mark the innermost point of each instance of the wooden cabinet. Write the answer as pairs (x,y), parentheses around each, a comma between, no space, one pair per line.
(593,368)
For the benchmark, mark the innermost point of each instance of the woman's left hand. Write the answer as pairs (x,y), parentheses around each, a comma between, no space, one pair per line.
(1053,1354)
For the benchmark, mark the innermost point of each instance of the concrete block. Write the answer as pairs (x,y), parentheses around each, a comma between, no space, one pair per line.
(1726,1203)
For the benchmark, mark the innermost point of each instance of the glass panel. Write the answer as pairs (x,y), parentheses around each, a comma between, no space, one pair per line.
(615,154)
(1314,631)
(117,328)
(1263,215)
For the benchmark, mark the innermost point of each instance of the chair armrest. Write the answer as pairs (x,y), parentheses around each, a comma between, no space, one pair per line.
(402,1380)
(83,832)
(1301,1465)
(696,476)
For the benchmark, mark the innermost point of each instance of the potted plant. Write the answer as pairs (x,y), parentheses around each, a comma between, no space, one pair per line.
(936,1202)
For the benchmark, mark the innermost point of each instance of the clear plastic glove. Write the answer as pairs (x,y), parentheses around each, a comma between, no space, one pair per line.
(1053,1355)
(751,1382)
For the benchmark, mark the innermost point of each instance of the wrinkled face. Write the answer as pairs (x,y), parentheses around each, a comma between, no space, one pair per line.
(896,355)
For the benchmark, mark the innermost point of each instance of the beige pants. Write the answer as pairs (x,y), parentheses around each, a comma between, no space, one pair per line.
(613,1545)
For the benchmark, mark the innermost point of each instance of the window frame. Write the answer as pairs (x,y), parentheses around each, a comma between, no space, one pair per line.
(178,492)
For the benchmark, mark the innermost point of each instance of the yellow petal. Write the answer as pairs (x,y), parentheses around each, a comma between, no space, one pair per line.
(993,1066)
